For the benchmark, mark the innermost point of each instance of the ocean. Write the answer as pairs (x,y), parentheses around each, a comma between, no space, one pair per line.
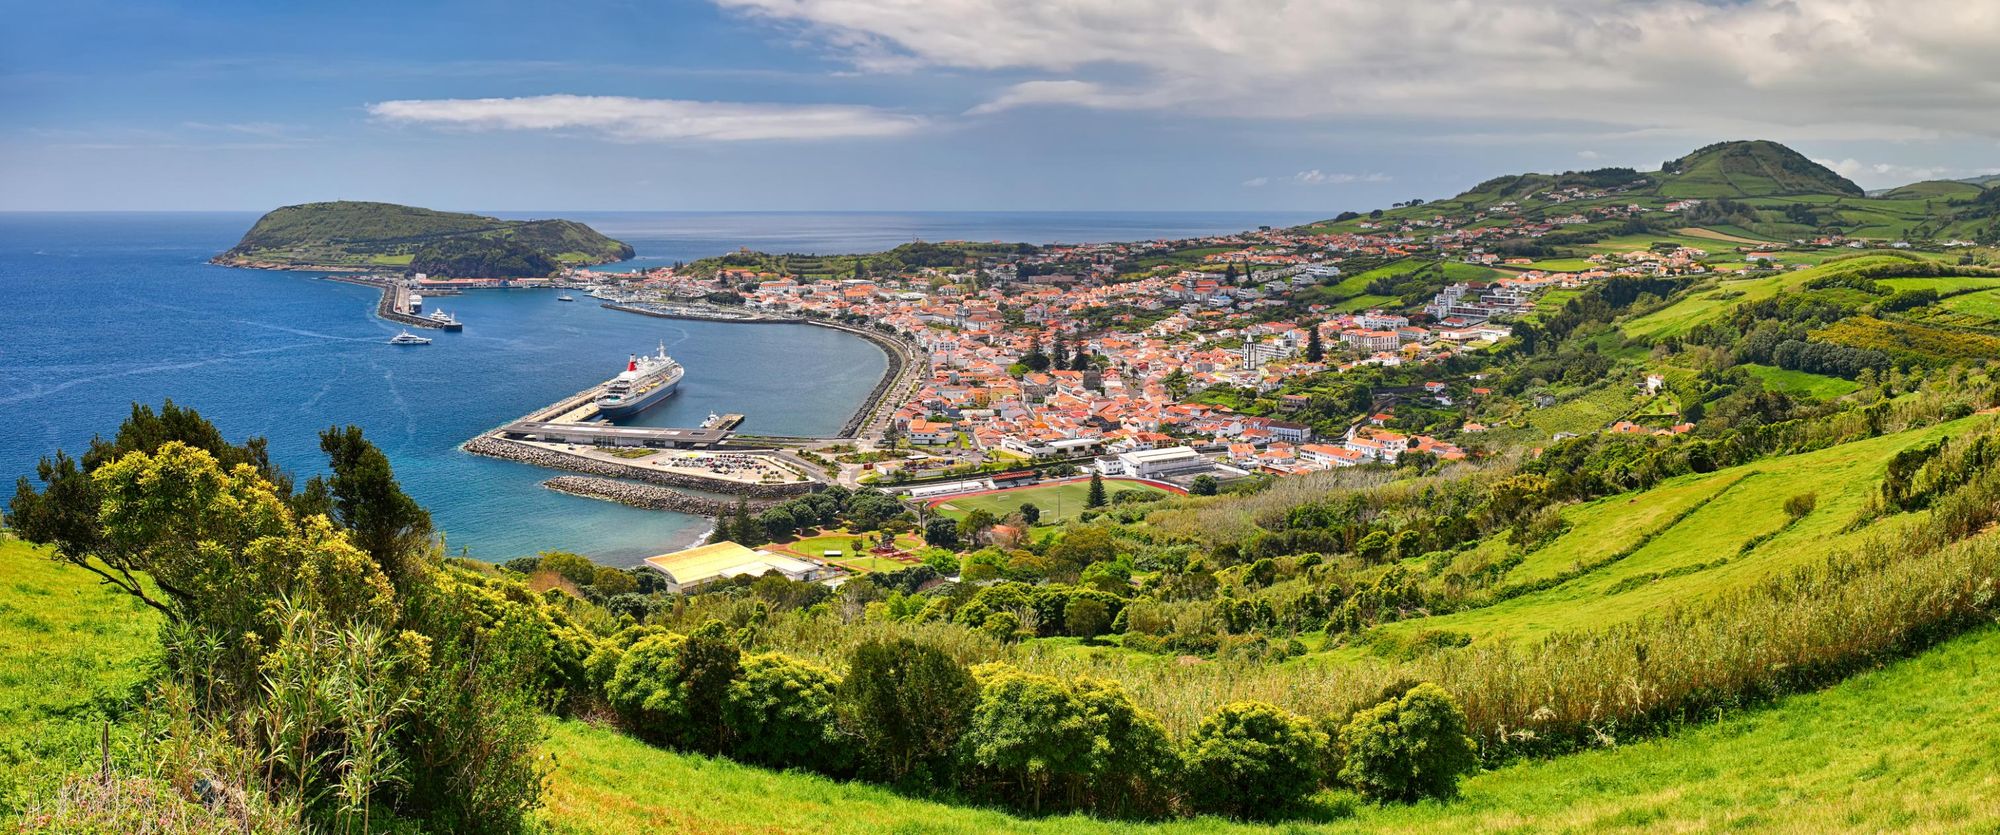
(101,310)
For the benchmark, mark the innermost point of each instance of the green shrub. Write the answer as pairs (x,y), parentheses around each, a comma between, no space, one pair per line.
(1252,760)
(1408,748)
(672,688)
(780,712)
(906,704)
(1082,744)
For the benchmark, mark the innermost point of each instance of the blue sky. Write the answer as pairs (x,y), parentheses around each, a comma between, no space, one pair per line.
(1313,105)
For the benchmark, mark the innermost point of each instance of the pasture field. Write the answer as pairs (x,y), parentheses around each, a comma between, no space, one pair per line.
(1714,303)
(1056,501)
(1800,383)
(1589,413)
(1983,304)
(1689,537)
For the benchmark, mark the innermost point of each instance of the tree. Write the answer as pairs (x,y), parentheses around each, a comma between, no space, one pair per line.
(1409,748)
(975,523)
(1251,759)
(1086,617)
(1030,513)
(780,711)
(1315,351)
(905,704)
(575,568)
(64,513)
(1034,359)
(774,524)
(672,688)
(1031,737)
(1204,485)
(1095,498)
(941,531)
(368,502)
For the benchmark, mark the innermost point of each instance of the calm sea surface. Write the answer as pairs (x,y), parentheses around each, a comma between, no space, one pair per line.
(98,311)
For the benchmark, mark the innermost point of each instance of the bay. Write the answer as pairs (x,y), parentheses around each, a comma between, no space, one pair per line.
(101,310)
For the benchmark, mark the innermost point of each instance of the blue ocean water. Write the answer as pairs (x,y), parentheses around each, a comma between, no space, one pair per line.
(102,310)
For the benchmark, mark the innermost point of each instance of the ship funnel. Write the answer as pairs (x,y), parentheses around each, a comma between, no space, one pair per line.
(633,363)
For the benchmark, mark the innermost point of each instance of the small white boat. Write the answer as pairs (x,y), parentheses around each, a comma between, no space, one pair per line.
(407,338)
(565,298)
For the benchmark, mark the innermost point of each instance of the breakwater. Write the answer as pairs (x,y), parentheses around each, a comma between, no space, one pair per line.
(388,307)
(647,496)
(502,448)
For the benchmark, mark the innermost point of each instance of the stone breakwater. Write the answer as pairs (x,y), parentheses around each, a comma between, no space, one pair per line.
(502,448)
(646,496)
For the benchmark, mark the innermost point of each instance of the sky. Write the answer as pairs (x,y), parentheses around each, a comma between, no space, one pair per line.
(905,105)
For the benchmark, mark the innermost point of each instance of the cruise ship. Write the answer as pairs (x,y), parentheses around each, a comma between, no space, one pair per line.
(645,382)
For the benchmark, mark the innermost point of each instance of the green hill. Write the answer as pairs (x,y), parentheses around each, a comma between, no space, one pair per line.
(362,235)
(1755,168)
(1756,189)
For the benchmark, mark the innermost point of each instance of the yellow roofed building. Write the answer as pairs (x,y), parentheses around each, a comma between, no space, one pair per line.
(722,560)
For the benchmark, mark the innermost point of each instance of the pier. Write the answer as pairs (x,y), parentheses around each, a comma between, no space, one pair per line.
(394,305)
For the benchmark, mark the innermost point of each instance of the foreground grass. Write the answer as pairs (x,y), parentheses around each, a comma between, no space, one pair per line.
(72,652)
(1907,747)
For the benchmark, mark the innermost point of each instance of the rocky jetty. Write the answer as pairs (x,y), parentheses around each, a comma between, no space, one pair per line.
(492,447)
(647,496)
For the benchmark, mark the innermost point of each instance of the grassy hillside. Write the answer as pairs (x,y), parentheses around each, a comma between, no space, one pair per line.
(1906,747)
(1749,169)
(354,234)
(1625,556)
(72,652)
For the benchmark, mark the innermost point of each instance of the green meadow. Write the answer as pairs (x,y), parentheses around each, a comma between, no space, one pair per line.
(1057,502)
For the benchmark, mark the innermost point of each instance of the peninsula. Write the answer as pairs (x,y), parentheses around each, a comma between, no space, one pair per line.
(351,235)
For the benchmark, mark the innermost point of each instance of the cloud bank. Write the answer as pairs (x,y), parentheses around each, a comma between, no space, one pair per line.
(1826,69)
(623,119)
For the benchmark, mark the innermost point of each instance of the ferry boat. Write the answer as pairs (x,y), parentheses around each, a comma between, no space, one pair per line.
(416,303)
(445,321)
(407,338)
(645,383)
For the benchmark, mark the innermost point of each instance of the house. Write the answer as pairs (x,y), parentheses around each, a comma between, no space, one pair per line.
(928,432)
(705,564)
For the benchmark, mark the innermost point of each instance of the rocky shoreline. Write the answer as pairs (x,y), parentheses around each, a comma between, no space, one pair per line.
(492,447)
(647,496)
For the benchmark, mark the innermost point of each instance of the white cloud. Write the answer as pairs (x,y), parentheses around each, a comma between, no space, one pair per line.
(1316,177)
(1257,182)
(625,119)
(1847,69)
(1588,154)
(1888,174)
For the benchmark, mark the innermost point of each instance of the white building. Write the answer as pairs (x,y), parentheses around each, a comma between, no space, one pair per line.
(1154,463)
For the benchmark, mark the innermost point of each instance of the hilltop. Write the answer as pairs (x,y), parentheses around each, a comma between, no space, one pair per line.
(1754,189)
(357,235)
